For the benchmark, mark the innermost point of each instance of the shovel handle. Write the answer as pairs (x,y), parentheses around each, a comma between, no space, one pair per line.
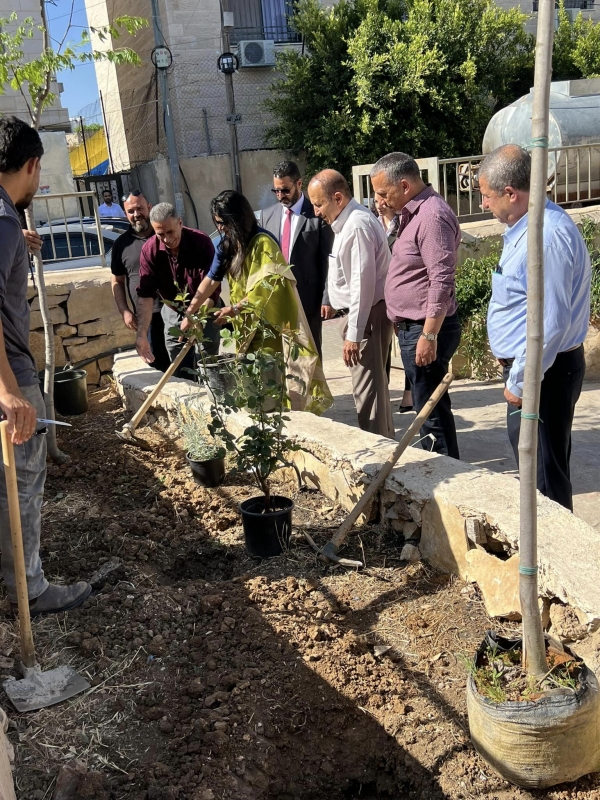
(389,465)
(139,414)
(16,535)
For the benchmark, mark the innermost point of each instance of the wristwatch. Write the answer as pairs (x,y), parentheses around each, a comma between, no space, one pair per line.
(431,337)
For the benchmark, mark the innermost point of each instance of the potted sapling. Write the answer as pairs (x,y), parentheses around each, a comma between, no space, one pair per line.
(534,706)
(256,384)
(262,447)
(204,453)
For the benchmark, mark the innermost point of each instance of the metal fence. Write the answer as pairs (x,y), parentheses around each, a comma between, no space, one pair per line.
(71,230)
(263,19)
(573,179)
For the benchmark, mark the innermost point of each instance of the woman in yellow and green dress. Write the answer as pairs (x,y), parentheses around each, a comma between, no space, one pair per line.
(260,279)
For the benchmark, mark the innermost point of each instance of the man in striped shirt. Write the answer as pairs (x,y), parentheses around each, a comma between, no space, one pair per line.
(420,289)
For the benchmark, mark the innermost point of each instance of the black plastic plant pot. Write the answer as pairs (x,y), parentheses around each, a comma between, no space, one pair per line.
(208,473)
(267,534)
(220,373)
(70,391)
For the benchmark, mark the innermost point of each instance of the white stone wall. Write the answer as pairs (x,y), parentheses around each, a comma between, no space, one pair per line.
(56,178)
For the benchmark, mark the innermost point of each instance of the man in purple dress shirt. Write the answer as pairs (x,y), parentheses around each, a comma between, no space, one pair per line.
(420,289)
(174,261)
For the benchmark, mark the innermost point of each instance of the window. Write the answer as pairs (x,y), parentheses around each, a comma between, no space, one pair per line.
(263,19)
(582,5)
(61,246)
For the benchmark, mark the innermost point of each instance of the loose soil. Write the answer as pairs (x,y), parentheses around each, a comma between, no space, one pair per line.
(217,677)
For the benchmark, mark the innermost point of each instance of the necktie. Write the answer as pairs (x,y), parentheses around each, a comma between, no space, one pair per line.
(286,236)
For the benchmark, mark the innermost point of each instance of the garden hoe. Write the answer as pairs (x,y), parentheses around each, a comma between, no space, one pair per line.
(328,553)
(36,689)
(127,434)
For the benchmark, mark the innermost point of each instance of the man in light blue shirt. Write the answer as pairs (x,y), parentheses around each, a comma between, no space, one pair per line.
(504,183)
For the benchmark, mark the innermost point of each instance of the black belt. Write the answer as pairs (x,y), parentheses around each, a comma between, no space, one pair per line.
(508,362)
(407,324)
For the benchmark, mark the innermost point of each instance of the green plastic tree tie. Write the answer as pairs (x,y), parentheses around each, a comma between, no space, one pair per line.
(530,571)
(526,416)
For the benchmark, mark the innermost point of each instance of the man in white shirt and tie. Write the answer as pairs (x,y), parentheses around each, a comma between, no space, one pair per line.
(305,242)
(358,268)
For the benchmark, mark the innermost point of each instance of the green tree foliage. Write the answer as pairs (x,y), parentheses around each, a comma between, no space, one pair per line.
(423,76)
(32,76)
(576,51)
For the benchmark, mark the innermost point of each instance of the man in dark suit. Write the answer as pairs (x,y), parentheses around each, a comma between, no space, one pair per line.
(305,241)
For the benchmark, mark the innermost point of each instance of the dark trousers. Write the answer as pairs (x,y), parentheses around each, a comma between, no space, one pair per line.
(315,323)
(212,336)
(424,380)
(560,392)
(156,337)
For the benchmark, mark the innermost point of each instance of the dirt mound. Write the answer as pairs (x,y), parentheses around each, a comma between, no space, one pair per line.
(215,677)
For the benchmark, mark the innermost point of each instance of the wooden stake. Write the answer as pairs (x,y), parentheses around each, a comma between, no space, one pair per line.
(16,535)
(534,654)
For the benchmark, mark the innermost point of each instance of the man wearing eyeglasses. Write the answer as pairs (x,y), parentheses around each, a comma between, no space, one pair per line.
(305,241)
(125,278)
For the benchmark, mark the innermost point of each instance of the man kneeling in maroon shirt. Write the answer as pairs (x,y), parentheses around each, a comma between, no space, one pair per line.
(420,289)
(173,261)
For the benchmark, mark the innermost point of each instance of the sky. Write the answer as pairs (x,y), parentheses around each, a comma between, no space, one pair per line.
(80,84)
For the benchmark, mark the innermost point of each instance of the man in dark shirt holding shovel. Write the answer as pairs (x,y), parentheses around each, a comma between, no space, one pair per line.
(21,400)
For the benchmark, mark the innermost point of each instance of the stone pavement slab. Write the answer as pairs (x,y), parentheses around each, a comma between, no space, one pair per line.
(480,413)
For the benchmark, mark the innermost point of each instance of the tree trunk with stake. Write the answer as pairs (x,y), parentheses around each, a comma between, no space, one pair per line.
(53,450)
(534,653)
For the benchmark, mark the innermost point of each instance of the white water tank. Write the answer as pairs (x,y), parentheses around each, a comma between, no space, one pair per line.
(574,120)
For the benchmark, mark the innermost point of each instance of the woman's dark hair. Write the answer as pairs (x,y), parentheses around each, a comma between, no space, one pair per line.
(239,227)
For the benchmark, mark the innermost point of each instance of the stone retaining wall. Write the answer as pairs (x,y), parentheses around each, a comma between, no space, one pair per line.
(85,320)
(468,516)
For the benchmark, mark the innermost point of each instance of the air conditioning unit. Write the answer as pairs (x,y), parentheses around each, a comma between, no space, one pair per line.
(257,53)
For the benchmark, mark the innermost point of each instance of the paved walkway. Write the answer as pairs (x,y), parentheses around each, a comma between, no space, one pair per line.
(480,420)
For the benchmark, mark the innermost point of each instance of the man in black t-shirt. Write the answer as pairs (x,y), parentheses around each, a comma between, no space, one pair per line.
(125,267)
(21,400)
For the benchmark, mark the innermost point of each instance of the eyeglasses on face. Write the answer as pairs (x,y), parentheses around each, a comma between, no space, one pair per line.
(281,191)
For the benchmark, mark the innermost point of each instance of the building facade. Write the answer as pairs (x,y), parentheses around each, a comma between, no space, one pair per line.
(55,117)
(192,31)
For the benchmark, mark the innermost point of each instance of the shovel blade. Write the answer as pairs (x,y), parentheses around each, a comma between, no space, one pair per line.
(41,689)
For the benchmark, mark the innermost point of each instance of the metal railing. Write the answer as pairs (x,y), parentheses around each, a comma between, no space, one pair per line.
(68,232)
(263,19)
(573,179)
(361,184)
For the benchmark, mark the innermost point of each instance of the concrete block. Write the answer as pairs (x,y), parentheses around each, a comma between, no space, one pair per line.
(73,340)
(90,300)
(53,301)
(65,331)
(102,344)
(57,317)
(38,350)
(498,582)
(106,363)
(95,328)
(93,374)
